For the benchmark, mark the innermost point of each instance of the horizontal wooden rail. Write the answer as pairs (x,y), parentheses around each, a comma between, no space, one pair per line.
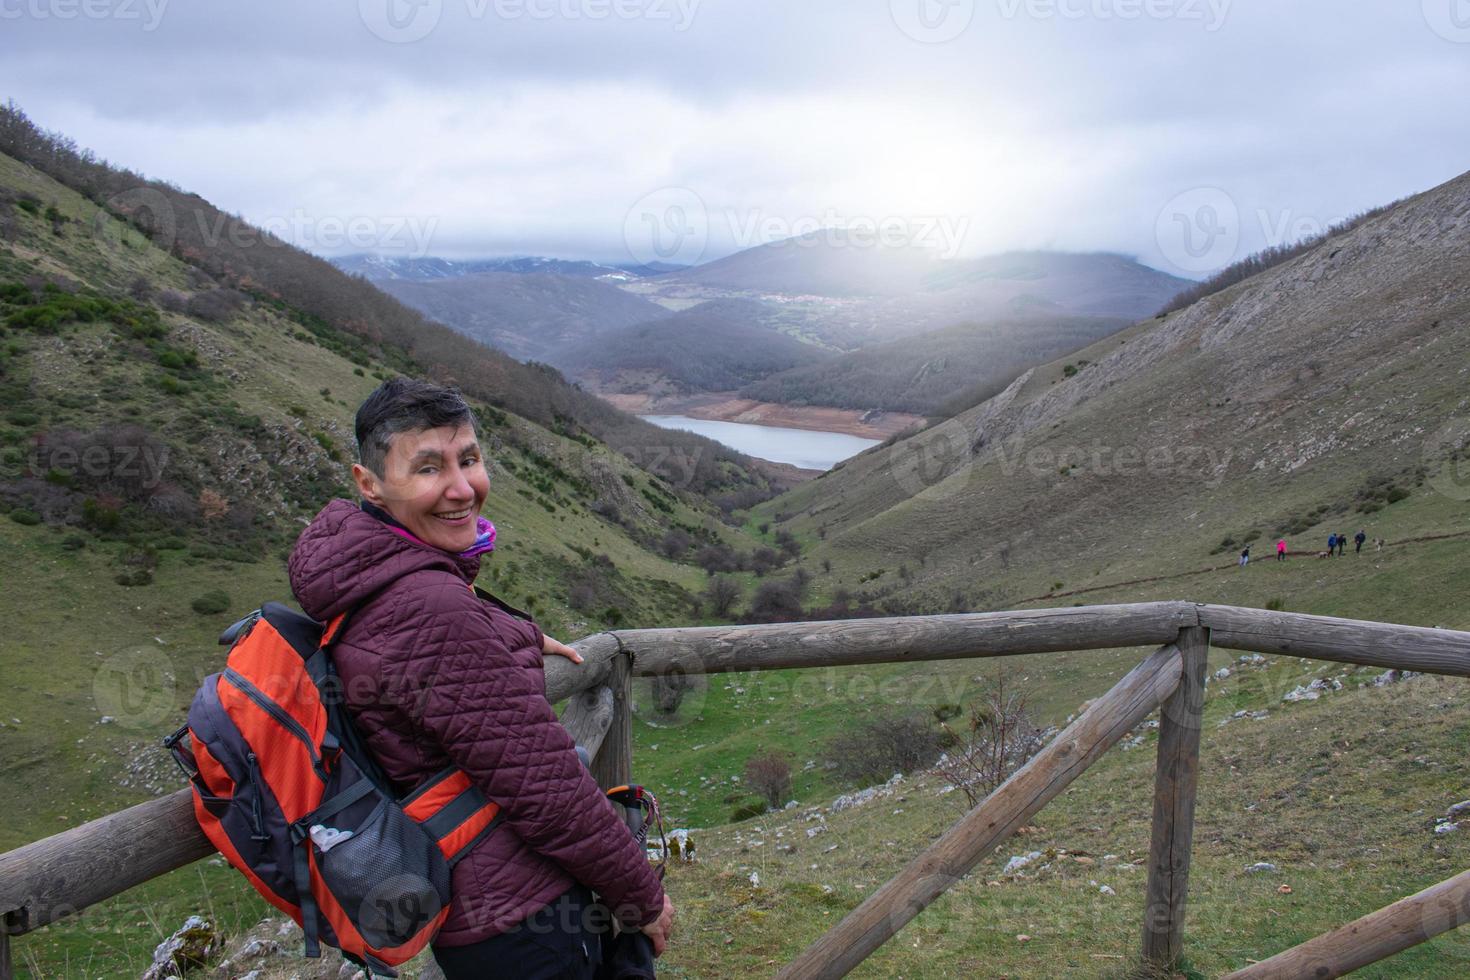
(51,878)
(996,818)
(1376,936)
(898,639)
(1353,641)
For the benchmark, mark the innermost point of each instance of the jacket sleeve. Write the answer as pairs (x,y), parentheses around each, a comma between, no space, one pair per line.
(486,705)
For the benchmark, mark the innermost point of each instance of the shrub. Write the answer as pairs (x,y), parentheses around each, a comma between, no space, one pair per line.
(211,603)
(769,776)
(1277,605)
(880,748)
(722,593)
(746,810)
(134,576)
(22,516)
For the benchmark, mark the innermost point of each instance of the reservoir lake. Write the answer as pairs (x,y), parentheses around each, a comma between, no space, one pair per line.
(807,448)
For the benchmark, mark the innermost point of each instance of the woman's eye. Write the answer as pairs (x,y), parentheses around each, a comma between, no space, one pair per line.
(469,461)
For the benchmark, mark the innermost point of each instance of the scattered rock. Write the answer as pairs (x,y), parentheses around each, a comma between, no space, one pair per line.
(1222,673)
(1020,861)
(1105,890)
(755,879)
(191,946)
(1023,938)
(1260,866)
(1283,890)
(1446,827)
(1459,809)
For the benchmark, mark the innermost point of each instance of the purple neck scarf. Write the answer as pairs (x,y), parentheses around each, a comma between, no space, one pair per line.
(484,531)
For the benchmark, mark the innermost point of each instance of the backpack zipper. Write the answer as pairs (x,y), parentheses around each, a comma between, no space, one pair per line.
(257,807)
(291,725)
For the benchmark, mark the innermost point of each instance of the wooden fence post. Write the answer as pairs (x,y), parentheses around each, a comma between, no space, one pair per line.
(7,972)
(1175,783)
(613,766)
(994,819)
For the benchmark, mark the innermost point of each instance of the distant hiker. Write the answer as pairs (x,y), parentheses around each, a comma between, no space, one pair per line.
(1358,540)
(1332,544)
(1281,550)
(1341,544)
(1380,545)
(1245,556)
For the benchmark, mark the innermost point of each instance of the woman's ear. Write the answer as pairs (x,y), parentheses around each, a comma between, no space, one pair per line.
(367,484)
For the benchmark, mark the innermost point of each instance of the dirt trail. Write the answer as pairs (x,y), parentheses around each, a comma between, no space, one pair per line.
(1224,567)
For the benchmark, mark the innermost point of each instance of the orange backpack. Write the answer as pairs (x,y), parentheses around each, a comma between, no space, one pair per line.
(285,788)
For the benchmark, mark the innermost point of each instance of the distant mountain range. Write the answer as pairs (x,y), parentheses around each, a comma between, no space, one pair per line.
(382,268)
(743,320)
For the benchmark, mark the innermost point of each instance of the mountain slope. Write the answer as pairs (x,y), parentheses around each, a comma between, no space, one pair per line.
(1308,399)
(936,373)
(714,346)
(527,315)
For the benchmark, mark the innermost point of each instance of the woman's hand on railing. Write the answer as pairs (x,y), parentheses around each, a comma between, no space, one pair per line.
(659,929)
(548,645)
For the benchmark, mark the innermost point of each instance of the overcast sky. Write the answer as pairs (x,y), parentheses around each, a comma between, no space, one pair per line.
(1185,132)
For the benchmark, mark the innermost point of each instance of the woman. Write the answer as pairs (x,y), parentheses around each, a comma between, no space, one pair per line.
(435,676)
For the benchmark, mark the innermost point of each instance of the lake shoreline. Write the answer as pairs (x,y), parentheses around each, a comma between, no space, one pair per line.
(727,407)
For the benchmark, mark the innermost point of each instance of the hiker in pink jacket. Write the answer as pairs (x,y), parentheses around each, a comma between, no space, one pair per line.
(1281,550)
(433,675)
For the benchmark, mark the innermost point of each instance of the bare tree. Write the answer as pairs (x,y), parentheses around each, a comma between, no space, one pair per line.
(1000,739)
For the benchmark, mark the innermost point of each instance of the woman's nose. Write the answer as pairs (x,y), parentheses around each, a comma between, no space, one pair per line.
(459,487)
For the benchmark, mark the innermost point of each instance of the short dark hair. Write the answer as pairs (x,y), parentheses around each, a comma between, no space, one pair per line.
(406,405)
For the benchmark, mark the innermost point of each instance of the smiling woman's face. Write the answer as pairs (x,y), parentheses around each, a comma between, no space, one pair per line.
(433,483)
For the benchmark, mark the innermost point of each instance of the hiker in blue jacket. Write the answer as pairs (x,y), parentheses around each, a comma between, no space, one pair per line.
(1332,544)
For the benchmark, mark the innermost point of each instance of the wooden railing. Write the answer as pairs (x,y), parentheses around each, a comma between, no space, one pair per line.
(49,879)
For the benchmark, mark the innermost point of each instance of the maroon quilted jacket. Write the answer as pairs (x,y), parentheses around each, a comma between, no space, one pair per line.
(434,675)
